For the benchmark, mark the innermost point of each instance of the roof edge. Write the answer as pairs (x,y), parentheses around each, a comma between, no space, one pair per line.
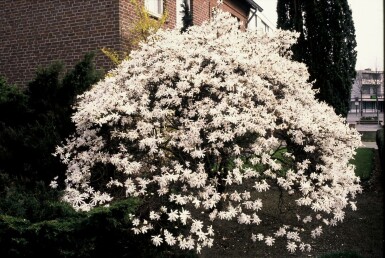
(255,5)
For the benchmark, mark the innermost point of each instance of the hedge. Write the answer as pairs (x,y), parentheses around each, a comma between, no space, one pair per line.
(102,232)
(380,145)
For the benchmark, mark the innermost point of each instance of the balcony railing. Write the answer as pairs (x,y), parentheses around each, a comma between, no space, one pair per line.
(371,82)
(369,97)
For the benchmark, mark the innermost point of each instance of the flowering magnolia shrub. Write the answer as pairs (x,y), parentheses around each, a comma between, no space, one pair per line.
(201,126)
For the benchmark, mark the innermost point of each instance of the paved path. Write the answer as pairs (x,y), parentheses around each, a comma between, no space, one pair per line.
(354,117)
(370,145)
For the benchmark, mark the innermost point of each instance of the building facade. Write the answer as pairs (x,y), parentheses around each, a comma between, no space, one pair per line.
(36,33)
(367,94)
(258,21)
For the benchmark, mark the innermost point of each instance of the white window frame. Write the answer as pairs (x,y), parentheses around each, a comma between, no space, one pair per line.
(154,7)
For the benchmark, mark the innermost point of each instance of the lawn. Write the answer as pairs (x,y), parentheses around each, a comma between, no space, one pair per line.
(369,136)
(364,162)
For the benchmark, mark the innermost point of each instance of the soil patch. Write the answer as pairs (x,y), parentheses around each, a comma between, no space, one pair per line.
(361,232)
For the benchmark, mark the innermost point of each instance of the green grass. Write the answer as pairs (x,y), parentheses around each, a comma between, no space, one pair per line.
(368,136)
(363,160)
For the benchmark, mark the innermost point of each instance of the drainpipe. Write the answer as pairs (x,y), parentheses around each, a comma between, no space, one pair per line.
(378,118)
(362,104)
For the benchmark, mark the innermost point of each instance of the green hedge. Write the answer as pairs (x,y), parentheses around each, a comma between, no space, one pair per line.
(36,118)
(369,118)
(380,145)
(33,223)
(102,232)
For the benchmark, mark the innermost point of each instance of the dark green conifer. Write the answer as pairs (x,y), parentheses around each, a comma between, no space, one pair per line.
(187,18)
(326,44)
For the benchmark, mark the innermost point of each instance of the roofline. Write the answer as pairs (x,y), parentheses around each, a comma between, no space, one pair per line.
(254,5)
(369,71)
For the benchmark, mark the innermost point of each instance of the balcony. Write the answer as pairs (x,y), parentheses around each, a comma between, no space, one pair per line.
(371,82)
(368,97)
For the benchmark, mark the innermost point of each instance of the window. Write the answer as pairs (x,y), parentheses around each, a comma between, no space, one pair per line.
(371,76)
(366,89)
(154,7)
(265,27)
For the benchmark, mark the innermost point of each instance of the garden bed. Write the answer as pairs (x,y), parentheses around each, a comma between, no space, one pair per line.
(360,234)
(369,120)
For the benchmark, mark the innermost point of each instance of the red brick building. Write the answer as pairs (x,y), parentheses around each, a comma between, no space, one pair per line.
(36,32)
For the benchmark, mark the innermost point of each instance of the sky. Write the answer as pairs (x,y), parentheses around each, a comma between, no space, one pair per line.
(368,18)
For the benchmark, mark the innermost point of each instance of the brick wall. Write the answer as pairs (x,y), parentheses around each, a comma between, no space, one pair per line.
(35,33)
(201,10)
(170,6)
(239,9)
(128,15)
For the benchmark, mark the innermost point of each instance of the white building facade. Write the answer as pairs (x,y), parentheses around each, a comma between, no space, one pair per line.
(367,94)
(257,20)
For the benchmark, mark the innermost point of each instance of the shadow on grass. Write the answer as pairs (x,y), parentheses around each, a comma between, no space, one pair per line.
(342,255)
(360,235)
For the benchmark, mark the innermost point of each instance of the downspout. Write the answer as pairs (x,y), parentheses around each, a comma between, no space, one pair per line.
(209,9)
(192,10)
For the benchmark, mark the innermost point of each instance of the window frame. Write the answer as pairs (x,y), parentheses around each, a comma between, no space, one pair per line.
(154,7)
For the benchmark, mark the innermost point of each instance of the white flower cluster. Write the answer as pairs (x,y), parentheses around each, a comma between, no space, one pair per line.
(192,118)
